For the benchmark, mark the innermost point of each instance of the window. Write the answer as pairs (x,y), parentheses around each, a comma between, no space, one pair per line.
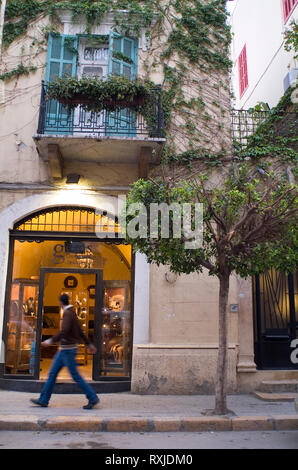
(242,67)
(288,6)
(96,54)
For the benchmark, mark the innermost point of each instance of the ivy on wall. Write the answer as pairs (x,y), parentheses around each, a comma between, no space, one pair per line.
(291,39)
(20,13)
(276,137)
(17,72)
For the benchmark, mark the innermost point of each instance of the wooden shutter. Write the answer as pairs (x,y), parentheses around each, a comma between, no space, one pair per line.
(127,47)
(122,122)
(243,75)
(62,58)
(61,62)
(288,7)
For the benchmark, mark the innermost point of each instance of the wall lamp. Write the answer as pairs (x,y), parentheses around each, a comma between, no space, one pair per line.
(73,178)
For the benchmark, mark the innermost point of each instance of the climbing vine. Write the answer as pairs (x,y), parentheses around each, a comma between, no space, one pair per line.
(17,72)
(291,39)
(276,137)
(20,13)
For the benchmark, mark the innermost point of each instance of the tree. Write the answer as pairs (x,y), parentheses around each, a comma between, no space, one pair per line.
(249,227)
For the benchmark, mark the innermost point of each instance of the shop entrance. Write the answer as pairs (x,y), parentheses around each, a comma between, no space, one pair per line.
(74,283)
(56,251)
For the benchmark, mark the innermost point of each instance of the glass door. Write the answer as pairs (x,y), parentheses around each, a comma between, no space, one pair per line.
(84,288)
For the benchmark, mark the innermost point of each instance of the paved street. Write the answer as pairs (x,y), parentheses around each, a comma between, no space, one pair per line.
(206,440)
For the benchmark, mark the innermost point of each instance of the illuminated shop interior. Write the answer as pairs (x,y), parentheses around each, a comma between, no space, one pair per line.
(68,268)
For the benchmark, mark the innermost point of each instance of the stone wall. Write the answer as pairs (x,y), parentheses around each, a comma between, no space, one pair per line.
(179,370)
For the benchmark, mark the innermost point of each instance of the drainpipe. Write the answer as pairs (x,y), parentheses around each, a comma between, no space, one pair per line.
(2,12)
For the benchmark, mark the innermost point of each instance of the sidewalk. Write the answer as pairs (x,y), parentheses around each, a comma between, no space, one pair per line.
(124,412)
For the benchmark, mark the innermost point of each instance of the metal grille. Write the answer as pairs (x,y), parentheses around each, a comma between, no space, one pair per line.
(74,219)
(276,323)
(274,300)
(245,123)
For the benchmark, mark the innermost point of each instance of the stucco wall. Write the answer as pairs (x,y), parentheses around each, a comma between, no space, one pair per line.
(186,311)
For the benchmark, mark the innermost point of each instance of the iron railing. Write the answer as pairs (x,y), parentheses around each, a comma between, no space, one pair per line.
(54,118)
(245,122)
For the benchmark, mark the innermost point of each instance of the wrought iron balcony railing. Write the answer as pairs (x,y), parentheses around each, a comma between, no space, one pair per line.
(245,123)
(54,118)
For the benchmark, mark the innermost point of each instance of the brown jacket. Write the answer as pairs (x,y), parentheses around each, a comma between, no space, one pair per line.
(71,332)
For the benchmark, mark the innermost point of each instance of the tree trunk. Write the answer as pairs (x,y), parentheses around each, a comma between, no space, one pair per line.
(222,362)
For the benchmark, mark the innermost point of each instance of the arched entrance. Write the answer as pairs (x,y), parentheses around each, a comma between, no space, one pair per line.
(57,250)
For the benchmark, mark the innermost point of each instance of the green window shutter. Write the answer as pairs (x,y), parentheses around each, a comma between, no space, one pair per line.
(123,56)
(123,60)
(62,56)
(61,62)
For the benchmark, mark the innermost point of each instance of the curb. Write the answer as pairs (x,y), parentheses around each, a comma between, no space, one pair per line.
(155,424)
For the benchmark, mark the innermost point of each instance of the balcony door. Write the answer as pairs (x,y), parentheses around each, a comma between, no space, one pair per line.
(98,57)
(93,62)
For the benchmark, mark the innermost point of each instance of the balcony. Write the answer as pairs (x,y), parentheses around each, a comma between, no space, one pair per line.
(121,136)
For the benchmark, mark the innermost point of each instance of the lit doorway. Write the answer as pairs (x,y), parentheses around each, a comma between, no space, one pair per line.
(76,284)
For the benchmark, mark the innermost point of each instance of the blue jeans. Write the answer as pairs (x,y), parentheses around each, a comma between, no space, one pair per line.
(67,358)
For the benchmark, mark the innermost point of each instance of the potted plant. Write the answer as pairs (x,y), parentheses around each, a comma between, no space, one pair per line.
(94,95)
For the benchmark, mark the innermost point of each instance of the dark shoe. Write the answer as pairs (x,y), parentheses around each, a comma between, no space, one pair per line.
(37,402)
(91,404)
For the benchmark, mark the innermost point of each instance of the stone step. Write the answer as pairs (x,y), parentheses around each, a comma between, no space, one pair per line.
(279,386)
(275,396)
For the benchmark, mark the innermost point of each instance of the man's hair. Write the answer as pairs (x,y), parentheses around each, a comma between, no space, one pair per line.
(64,299)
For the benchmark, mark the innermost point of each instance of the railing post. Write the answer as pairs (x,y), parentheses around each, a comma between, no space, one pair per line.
(42,109)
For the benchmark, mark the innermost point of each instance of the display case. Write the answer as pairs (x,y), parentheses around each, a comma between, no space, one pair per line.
(21,327)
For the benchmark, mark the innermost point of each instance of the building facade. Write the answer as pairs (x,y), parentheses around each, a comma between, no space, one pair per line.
(262,68)
(62,176)
(262,71)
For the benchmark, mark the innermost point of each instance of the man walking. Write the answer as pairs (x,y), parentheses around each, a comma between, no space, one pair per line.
(69,337)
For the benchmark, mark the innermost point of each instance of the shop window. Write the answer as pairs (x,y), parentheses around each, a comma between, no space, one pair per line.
(41,271)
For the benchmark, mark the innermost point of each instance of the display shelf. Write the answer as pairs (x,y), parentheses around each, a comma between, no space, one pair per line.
(21,326)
